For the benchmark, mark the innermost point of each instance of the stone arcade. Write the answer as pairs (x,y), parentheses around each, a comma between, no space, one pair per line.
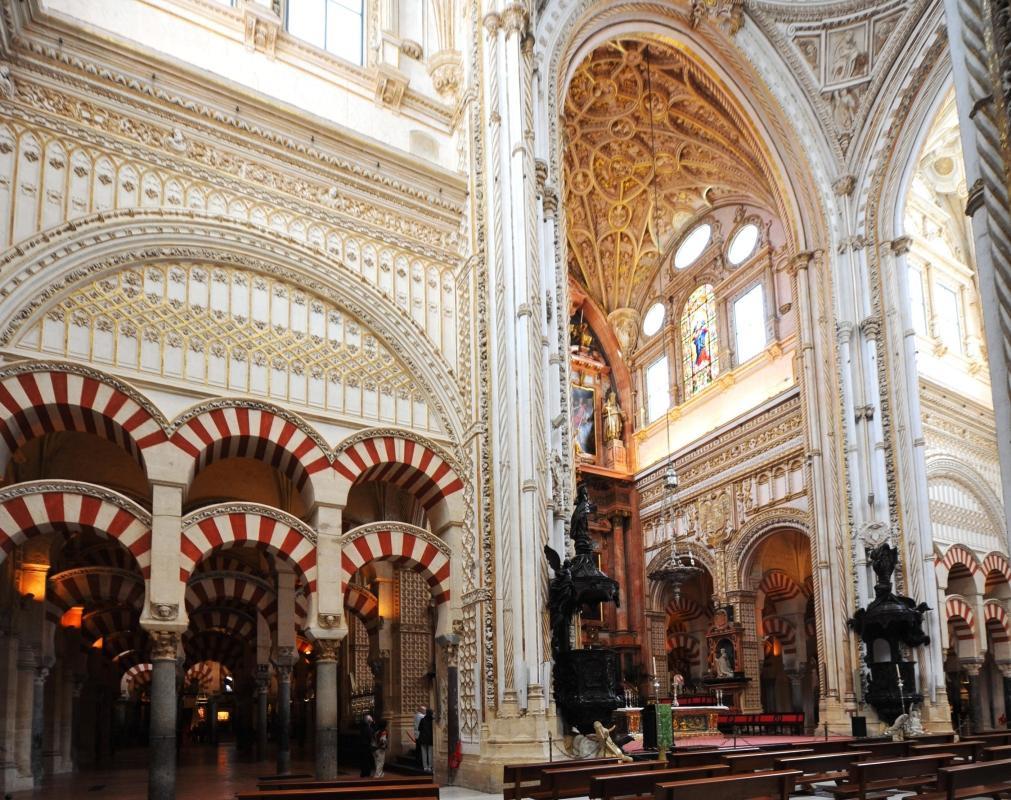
(315,314)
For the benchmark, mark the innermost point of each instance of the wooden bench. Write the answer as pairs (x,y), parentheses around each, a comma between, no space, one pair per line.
(963,751)
(697,758)
(518,778)
(997,753)
(993,737)
(933,738)
(884,750)
(292,777)
(337,783)
(777,785)
(752,762)
(912,772)
(574,780)
(822,767)
(641,784)
(827,745)
(986,779)
(375,791)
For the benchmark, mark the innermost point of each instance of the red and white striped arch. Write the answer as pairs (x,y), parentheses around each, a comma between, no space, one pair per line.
(687,643)
(402,544)
(997,571)
(202,674)
(223,618)
(240,431)
(414,467)
(959,554)
(684,609)
(36,399)
(996,620)
(40,507)
(121,642)
(214,588)
(285,536)
(779,587)
(108,621)
(95,586)
(782,630)
(213,646)
(137,677)
(364,605)
(961,623)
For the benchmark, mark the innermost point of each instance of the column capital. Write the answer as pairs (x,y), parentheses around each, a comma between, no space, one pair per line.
(972,667)
(326,650)
(164,645)
(900,246)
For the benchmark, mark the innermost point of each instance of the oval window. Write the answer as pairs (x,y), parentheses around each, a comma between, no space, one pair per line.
(692,246)
(742,244)
(654,319)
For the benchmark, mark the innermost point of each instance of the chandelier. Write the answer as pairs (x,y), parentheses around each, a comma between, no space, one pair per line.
(678,567)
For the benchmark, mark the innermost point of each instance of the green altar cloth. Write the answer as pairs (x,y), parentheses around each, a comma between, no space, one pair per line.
(664,728)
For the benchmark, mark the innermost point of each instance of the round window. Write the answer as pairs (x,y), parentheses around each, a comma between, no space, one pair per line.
(742,244)
(654,319)
(692,246)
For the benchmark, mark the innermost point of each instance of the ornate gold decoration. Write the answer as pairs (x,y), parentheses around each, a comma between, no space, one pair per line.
(707,152)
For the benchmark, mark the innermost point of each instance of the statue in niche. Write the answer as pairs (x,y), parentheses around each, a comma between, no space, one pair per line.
(724,664)
(614,419)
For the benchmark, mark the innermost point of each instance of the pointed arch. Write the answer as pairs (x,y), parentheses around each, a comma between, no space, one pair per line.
(403,544)
(237,428)
(40,397)
(40,507)
(229,524)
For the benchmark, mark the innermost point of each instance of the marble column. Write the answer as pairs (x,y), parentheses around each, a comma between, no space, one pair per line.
(38,721)
(24,711)
(262,687)
(283,667)
(326,709)
(162,770)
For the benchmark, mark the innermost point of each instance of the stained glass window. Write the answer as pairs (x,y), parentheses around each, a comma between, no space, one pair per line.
(699,340)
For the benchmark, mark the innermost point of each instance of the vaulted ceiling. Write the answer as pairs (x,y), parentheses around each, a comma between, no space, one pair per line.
(706,152)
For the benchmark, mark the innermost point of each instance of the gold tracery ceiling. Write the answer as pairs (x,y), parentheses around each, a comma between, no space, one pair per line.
(706,153)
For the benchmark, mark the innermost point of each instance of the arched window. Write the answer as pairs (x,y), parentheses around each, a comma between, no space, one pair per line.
(699,340)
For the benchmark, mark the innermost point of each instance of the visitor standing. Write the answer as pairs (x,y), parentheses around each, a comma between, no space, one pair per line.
(418,716)
(366,741)
(425,740)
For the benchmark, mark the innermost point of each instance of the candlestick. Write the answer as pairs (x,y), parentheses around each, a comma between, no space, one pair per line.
(654,665)
(898,674)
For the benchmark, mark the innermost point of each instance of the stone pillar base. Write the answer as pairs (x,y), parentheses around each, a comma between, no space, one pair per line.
(838,715)
(512,740)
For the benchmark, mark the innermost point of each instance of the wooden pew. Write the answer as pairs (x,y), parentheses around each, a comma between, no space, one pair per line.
(993,738)
(337,783)
(997,753)
(641,784)
(827,745)
(377,791)
(986,779)
(884,750)
(696,758)
(292,777)
(933,738)
(963,751)
(574,780)
(517,778)
(752,762)
(911,772)
(822,767)
(778,785)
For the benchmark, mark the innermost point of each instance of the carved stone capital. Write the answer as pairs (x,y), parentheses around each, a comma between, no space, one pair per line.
(326,649)
(446,70)
(974,201)
(871,328)
(972,667)
(727,14)
(492,23)
(901,245)
(164,645)
(516,19)
(549,200)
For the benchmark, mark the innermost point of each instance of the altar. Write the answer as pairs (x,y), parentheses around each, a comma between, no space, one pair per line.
(684,721)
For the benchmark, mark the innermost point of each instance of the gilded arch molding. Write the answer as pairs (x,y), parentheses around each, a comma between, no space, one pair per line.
(46,267)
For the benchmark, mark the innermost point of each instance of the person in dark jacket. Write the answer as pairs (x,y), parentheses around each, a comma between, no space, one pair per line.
(425,740)
(366,741)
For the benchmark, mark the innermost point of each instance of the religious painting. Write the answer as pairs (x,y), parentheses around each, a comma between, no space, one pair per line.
(699,340)
(583,404)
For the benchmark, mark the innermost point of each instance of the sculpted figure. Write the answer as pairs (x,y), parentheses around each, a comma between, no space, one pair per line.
(613,418)
(724,669)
